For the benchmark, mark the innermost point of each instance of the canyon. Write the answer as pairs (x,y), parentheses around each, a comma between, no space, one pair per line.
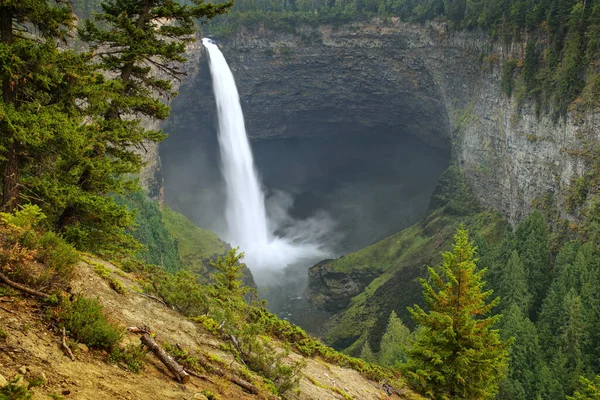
(404,101)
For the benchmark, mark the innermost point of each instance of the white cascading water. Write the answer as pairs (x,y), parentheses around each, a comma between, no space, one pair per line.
(246,216)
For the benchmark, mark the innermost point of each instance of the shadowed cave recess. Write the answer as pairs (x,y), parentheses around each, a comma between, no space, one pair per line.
(362,150)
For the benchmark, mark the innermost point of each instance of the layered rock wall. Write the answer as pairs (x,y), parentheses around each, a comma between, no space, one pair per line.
(441,86)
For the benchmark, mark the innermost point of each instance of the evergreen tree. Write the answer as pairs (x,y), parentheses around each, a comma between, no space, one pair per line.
(227,279)
(533,245)
(29,31)
(367,354)
(525,362)
(393,342)
(590,390)
(139,45)
(457,354)
(513,286)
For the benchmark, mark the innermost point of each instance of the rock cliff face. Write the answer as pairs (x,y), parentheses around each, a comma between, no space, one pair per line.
(443,87)
(151,177)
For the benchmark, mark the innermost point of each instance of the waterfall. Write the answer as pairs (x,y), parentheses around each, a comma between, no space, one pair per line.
(247,224)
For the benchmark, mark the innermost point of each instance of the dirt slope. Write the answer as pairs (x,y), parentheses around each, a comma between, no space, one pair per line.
(31,348)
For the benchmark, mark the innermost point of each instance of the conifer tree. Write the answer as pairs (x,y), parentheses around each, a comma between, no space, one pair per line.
(229,273)
(525,361)
(366,353)
(138,45)
(533,245)
(590,390)
(29,31)
(457,353)
(392,348)
(513,286)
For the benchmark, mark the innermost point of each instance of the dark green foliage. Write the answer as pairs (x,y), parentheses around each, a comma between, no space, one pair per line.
(523,380)
(150,230)
(514,289)
(533,246)
(392,351)
(181,292)
(457,353)
(131,355)
(85,321)
(507,80)
(15,390)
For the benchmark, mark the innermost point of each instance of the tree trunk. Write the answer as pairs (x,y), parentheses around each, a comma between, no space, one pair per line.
(161,354)
(10,177)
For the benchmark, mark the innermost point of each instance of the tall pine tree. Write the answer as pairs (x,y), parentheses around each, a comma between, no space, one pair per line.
(458,354)
(29,31)
(138,46)
(392,349)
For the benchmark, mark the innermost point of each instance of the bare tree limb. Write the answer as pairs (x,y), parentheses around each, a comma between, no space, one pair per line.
(173,366)
(22,288)
(161,301)
(66,348)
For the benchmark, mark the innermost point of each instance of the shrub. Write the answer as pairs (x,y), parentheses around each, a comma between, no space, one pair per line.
(181,292)
(33,256)
(15,390)
(84,319)
(117,286)
(131,355)
(262,357)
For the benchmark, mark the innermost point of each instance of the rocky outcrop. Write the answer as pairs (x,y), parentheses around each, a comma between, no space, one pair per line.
(151,178)
(332,290)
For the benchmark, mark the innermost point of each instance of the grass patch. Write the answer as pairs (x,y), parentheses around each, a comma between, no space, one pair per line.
(131,355)
(195,245)
(117,286)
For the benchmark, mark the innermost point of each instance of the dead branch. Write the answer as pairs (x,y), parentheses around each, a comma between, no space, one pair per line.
(66,348)
(22,288)
(7,310)
(161,301)
(173,366)
(232,378)
(197,375)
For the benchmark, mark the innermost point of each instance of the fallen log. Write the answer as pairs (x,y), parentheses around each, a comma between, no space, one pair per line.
(22,288)
(229,376)
(161,354)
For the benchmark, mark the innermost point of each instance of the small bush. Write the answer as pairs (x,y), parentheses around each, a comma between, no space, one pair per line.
(30,255)
(183,293)
(3,335)
(15,390)
(260,356)
(101,270)
(130,355)
(85,321)
(184,358)
(117,286)
(210,395)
